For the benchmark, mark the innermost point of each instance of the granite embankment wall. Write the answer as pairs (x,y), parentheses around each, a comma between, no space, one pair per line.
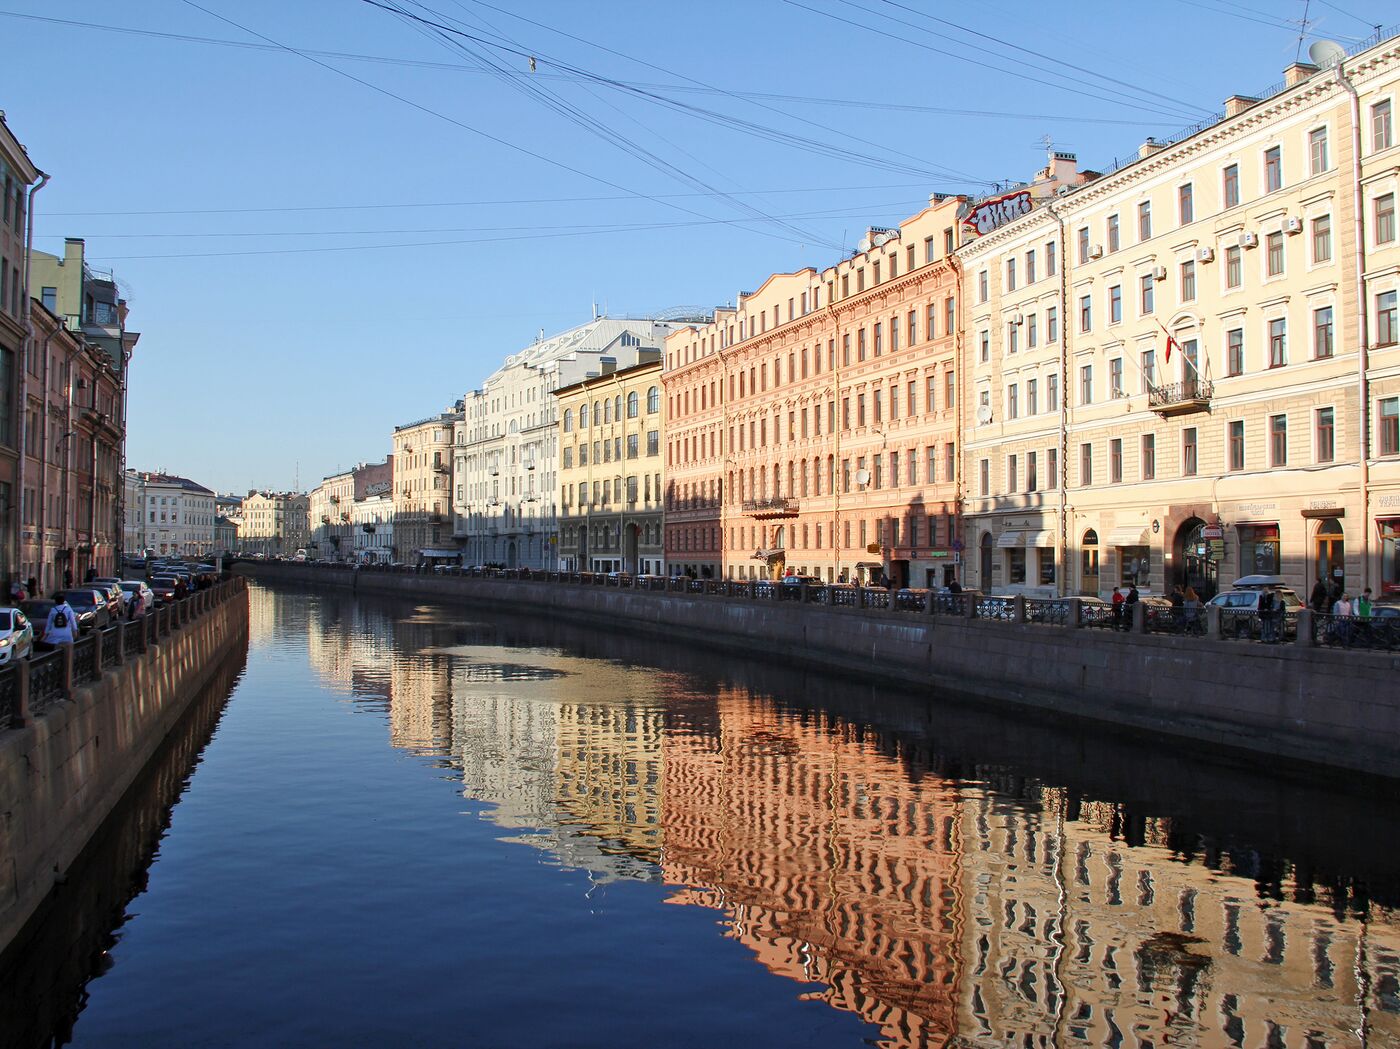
(63,772)
(1319,706)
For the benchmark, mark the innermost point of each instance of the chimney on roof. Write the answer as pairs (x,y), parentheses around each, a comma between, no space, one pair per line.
(1149,147)
(1298,72)
(1237,104)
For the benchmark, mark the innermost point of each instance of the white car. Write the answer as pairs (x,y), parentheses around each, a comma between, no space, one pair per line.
(137,590)
(16,635)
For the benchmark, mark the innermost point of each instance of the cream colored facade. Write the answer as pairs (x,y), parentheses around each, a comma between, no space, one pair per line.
(274,524)
(423,488)
(1091,460)
(330,503)
(610,472)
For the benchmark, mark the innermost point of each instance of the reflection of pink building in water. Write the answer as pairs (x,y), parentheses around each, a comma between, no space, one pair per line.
(834,866)
(812,428)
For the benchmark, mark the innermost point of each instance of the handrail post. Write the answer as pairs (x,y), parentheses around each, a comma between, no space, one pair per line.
(97,640)
(1213,622)
(1305,628)
(1018,608)
(22,718)
(67,670)
(1074,606)
(121,642)
(1139,623)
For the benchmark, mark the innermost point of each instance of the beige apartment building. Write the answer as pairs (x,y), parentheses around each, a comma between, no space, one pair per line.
(329,507)
(812,429)
(423,488)
(1202,384)
(275,524)
(610,471)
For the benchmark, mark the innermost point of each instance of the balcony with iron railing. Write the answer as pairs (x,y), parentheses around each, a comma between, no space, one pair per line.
(1181,398)
(770,507)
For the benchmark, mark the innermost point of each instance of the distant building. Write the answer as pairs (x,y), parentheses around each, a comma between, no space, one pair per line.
(329,509)
(422,488)
(178,515)
(275,524)
(610,474)
(505,495)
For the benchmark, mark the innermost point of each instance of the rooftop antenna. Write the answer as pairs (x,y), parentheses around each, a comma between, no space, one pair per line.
(1302,32)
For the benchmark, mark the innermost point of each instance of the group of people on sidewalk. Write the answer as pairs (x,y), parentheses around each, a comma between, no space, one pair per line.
(1337,601)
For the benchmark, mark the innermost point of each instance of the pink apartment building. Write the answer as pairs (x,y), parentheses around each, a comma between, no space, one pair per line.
(812,428)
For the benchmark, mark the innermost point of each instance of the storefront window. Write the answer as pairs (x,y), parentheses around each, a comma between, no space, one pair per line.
(1016,564)
(1047,565)
(1259,549)
(1390,554)
(1089,564)
(1135,562)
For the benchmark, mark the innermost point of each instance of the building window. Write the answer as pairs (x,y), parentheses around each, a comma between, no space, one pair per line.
(1149,456)
(1278,440)
(1032,339)
(1185,204)
(1326,435)
(1086,384)
(1012,405)
(1052,393)
(1234,268)
(1147,366)
(1188,452)
(982,286)
(1011,274)
(1112,233)
(1052,324)
(1382,134)
(1317,150)
(1086,313)
(1083,238)
(1230,186)
(1030,266)
(1086,465)
(1012,479)
(1049,258)
(1389,426)
(984,346)
(1115,304)
(1013,336)
(1278,342)
(1322,332)
(633,404)
(1115,461)
(1274,253)
(1385,219)
(1322,239)
(1147,286)
(1387,330)
(1032,396)
(1188,281)
(1237,444)
(1115,377)
(1234,351)
(1032,481)
(984,475)
(1273,169)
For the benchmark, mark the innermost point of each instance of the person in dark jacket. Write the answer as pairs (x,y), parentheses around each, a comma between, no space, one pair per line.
(1317,600)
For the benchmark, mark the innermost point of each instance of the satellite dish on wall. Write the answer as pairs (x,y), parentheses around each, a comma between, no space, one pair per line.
(984,414)
(862,477)
(1326,53)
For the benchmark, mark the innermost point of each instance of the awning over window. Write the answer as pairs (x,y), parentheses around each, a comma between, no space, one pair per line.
(1010,539)
(1129,535)
(1034,539)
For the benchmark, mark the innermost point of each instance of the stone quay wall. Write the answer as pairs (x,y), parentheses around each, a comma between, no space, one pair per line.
(63,770)
(1330,708)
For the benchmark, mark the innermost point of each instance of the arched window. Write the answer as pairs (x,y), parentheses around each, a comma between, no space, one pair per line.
(568,420)
(583,416)
(633,403)
(1089,564)
(607,411)
(653,401)
(617,407)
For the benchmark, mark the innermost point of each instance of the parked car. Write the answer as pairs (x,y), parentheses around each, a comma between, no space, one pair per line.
(111,586)
(163,587)
(137,590)
(91,608)
(16,635)
(1239,608)
(37,612)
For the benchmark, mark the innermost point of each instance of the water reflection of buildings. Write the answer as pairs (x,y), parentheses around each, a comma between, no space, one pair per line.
(566,749)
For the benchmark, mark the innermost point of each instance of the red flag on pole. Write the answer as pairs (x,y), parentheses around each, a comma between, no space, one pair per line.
(1170,341)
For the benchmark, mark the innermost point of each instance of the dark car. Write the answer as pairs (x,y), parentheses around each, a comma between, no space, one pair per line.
(163,586)
(37,610)
(91,607)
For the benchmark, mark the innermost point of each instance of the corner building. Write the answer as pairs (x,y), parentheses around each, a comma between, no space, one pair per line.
(1218,397)
(812,429)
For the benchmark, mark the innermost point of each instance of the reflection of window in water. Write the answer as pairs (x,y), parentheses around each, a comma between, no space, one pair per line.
(1135,562)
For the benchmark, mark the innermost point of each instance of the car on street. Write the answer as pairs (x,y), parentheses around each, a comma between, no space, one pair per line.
(111,586)
(36,610)
(1239,608)
(16,635)
(91,608)
(163,587)
(137,590)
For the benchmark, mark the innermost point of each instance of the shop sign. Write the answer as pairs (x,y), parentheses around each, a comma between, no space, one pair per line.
(998,211)
(938,553)
(1214,532)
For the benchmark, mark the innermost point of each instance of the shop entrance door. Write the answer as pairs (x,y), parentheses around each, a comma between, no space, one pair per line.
(1330,562)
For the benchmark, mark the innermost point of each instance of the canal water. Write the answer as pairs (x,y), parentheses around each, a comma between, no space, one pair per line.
(413,825)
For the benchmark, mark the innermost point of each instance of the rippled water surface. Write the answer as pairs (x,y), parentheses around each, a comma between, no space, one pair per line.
(417,825)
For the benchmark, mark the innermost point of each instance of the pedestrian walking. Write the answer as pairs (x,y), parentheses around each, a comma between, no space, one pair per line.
(1266,617)
(1362,609)
(1191,602)
(1317,600)
(1342,611)
(1118,608)
(62,624)
(1129,603)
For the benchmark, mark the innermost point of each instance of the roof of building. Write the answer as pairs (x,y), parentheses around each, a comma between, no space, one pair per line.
(154,477)
(652,364)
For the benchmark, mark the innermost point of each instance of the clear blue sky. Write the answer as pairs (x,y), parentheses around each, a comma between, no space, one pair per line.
(261,351)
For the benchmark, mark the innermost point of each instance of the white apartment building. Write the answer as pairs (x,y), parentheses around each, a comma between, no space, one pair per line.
(372,519)
(506,493)
(177,514)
